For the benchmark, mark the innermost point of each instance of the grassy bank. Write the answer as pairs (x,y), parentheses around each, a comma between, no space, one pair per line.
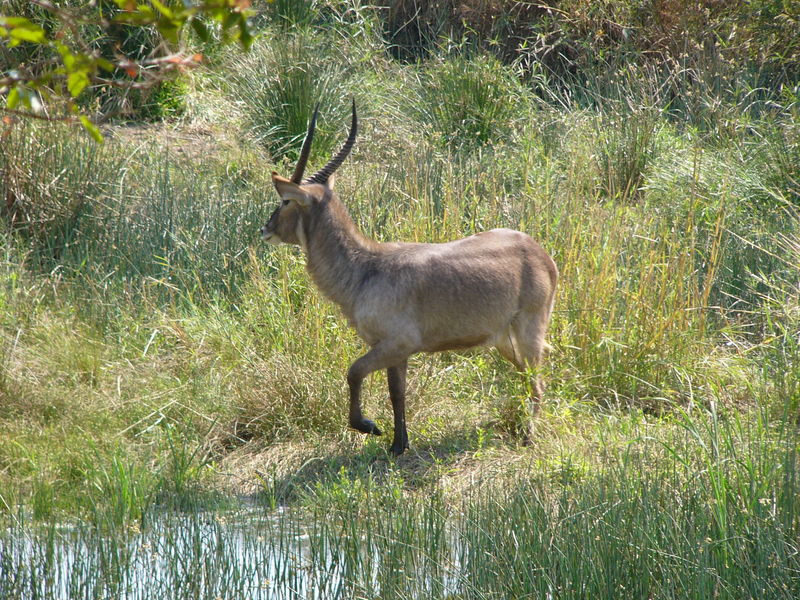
(687,510)
(157,356)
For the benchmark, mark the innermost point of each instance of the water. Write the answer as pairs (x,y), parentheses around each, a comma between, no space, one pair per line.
(652,540)
(245,554)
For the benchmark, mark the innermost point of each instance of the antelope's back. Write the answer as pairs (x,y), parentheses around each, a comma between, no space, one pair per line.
(462,293)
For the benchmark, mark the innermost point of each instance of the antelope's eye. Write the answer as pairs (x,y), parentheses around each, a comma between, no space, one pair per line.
(285,202)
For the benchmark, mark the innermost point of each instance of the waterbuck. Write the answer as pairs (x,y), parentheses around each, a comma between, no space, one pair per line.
(495,288)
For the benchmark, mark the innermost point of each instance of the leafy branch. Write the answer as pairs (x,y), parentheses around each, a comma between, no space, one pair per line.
(61,62)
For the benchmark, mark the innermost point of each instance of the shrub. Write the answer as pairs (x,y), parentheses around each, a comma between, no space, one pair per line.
(167,100)
(625,145)
(469,102)
(278,85)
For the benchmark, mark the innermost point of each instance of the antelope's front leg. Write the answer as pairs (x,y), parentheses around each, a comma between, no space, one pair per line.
(381,356)
(355,376)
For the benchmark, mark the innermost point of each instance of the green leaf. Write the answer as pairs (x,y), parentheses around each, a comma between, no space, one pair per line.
(162,9)
(169,29)
(17,22)
(146,12)
(67,56)
(33,34)
(91,128)
(143,15)
(245,37)
(77,82)
(230,20)
(105,64)
(13,98)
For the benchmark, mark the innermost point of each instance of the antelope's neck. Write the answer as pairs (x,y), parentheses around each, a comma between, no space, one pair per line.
(337,254)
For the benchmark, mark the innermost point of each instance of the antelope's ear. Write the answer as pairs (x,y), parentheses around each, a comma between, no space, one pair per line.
(288,190)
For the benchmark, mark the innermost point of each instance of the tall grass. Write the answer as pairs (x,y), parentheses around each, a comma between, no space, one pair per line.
(151,345)
(626,148)
(709,509)
(115,215)
(645,537)
(278,86)
(468,103)
(289,14)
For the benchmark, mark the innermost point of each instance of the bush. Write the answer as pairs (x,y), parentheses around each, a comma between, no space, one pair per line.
(167,100)
(278,85)
(625,145)
(467,103)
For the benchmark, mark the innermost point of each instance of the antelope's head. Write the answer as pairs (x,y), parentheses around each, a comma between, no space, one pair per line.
(298,195)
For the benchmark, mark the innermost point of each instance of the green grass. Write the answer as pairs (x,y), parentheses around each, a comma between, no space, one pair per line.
(466,103)
(156,359)
(700,508)
(278,85)
(122,213)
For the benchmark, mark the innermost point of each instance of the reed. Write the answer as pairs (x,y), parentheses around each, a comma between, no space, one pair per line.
(707,508)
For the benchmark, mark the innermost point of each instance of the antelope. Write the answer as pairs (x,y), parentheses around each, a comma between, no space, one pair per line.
(495,288)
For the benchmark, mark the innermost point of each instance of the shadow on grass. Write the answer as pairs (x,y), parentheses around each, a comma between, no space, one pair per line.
(372,466)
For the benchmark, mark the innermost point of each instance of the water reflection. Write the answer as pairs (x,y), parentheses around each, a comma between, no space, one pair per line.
(249,553)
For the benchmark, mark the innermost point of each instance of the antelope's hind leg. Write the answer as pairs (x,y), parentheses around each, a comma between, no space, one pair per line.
(397,392)
(524,347)
(529,333)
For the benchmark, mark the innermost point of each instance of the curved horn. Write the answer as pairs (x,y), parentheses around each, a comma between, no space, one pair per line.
(297,176)
(325,172)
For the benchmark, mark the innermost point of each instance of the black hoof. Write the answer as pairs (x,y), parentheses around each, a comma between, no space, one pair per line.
(366,426)
(398,449)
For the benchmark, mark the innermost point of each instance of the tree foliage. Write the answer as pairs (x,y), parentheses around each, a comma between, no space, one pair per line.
(53,53)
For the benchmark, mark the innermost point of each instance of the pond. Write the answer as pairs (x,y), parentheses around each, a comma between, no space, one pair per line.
(655,537)
(249,553)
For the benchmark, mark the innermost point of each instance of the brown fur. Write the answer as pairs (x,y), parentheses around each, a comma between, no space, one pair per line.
(495,289)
